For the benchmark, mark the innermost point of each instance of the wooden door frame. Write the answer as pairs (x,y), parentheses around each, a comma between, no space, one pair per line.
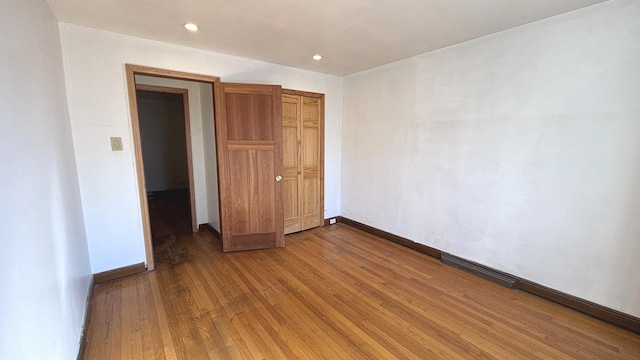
(320,97)
(131,72)
(187,131)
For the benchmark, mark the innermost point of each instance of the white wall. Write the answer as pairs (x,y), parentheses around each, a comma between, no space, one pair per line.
(211,162)
(197,143)
(96,90)
(45,267)
(163,139)
(519,150)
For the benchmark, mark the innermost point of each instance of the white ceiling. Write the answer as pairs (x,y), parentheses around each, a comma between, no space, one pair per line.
(352,35)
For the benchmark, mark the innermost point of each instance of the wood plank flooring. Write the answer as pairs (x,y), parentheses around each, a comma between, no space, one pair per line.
(169,212)
(170,217)
(332,293)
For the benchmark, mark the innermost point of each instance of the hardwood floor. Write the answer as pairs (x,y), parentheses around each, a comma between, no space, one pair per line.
(336,293)
(170,217)
(169,212)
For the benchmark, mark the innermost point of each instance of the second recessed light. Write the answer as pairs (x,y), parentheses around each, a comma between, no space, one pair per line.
(317,57)
(191,26)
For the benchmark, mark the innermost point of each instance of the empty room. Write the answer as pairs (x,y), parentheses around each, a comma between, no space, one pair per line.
(280,179)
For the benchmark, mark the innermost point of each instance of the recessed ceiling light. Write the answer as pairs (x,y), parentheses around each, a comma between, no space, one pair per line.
(317,57)
(191,26)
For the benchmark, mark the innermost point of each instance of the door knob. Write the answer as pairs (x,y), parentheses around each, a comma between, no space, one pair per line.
(278,178)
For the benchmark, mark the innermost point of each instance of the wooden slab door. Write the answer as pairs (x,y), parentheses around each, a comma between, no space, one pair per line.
(249,145)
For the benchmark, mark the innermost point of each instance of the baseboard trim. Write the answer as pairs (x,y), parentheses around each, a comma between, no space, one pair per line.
(105,276)
(604,313)
(427,250)
(600,312)
(479,270)
(85,321)
(208,227)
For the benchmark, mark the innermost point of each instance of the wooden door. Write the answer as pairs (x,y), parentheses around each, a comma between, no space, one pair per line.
(303,144)
(291,186)
(249,144)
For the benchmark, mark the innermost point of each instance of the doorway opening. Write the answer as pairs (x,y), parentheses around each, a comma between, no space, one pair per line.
(176,157)
(245,146)
(165,134)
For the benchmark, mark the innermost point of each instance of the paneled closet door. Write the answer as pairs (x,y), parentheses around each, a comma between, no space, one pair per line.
(291,184)
(303,157)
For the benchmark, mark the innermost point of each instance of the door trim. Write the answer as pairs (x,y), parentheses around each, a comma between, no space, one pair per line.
(131,71)
(321,130)
(187,132)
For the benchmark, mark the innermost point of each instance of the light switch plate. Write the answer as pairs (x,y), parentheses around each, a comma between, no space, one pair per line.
(116,143)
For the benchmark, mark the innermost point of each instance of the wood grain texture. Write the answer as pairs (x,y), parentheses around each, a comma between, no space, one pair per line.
(334,292)
(170,74)
(427,250)
(598,311)
(303,144)
(249,117)
(187,131)
(615,317)
(292,173)
(137,149)
(164,89)
(249,146)
(311,147)
(121,272)
(208,227)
